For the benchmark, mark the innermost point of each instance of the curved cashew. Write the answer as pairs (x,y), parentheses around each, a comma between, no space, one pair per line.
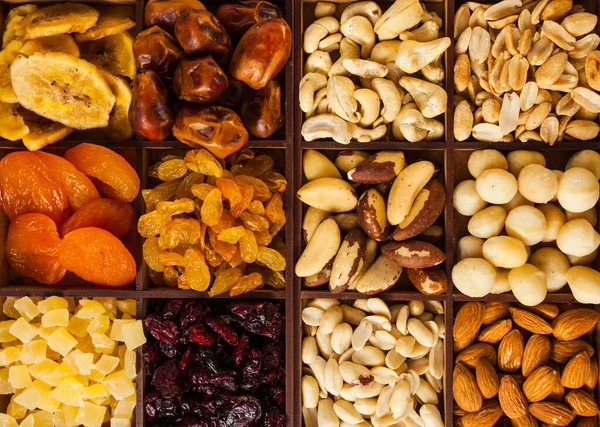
(326,126)
(414,55)
(323,107)
(390,96)
(309,84)
(369,105)
(430,98)
(360,30)
(368,9)
(340,92)
(435,129)
(409,125)
(394,72)
(384,52)
(434,72)
(368,135)
(348,50)
(427,32)
(324,8)
(318,30)
(318,62)
(331,42)
(365,68)
(400,16)
(319,97)
(430,16)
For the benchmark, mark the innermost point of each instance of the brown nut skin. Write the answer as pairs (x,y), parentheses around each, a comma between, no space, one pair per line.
(199,80)
(156,50)
(233,95)
(149,112)
(164,13)
(431,209)
(262,110)
(218,129)
(200,32)
(262,52)
(237,18)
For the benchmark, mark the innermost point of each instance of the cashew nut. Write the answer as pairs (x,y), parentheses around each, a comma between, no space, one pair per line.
(394,73)
(318,30)
(434,72)
(386,51)
(414,55)
(326,126)
(365,68)
(331,42)
(341,100)
(430,98)
(409,124)
(320,97)
(348,50)
(427,32)
(324,8)
(360,30)
(390,96)
(368,9)
(368,135)
(309,84)
(400,16)
(318,62)
(369,105)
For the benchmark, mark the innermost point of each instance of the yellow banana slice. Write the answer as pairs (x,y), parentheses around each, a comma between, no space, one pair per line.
(14,26)
(118,128)
(13,127)
(63,89)
(113,20)
(62,18)
(7,56)
(42,131)
(60,43)
(113,53)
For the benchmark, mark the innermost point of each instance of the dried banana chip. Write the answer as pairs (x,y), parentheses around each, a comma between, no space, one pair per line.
(63,89)
(42,131)
(113,53)
(60,18)
(7,56)
(60,43)
(14,26)
(119,128)
(13,127)
(113,20)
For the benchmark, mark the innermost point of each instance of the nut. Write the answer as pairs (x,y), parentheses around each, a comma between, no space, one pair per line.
(426,209)
(321,249)
(413,254)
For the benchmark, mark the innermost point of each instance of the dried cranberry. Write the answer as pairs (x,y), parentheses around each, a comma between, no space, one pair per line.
(168,349)
(187,358)
(254,353)
(278,395)
(220,326)
(152,353)
(274,376)
(274,418)
(193,312)
(207,360)
(272,356)
(201,335)
(172,309)
(260,318)
(150,407)
(162,330)
(244,414)
(240,350)
(223,380)
(167,379)
(252,375)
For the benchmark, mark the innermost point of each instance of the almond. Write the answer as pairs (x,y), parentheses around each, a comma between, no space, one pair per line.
(576,371)
(487,378)
(558,394)
(592,380)
(582,403)
(496,331)
(495,311)
(540,384)
(489,414)
(467,323)
(470,354)
(588,422)
(546,310)
(575,323)
(552,413)
(466,393)
(530,322)
(511,398)
(562,351)
(510,352)
(536,354)
(526,421)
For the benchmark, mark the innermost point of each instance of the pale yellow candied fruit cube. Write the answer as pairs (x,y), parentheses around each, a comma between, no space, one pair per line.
(69,392)
(58,419)
(62,341)
(23,330)
(70,412)
(46,332)
(27,308)
(31,396)
(52,303)
(48,403)
(127,317)
(124,407)
(58,317)
(99,325)
(15,410)
(33,352)
(18,376)
(103,344)
(110,304)
(133,334)
(106,364)
(5,387)
(118,385)
(9,309)
(43,369)
(89,309)
(83,379)
(5,335)
(43,419)
(90,415)
(59,374)
(10,355)
(78,326)
(126,306)
(84,362)
(116,331)
(7,421)
(86,345)
(28,422)
(95,392)
(129,364)
(120,422)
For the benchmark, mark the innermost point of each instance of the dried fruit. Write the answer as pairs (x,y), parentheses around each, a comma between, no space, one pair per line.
(111,215)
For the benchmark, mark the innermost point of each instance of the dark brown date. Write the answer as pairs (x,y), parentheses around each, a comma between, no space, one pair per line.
(156,50)
(237,18)
(149,113)
(218,129)
(164,13)
(199,80)
(262,52)
(200,32)
(232,96)
(262,111)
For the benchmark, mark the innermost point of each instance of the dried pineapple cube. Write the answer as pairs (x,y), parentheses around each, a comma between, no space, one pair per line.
(126,306)
(10,355)
(90,309)
(31,396)
(22,330)
(15,410)
(58,418)
(27,308)
(69,392)
(90,415)
(118,385)
(116,332)
(129,364)
(7,421)
(133,334)
(46,332)
(95,392)
(48,403)
(5,387)
(109,304)
(99,325)
(43,419)
(106,364)
(9,309)
(52,303)
(61,341)
(86,345)
(70,412)
(127,317)
(43,369)
(28,422)
(84,362)
(33,352)
(18,376)
(103,344)
(78,326)
(120,422)
(59,374)
(58,317)
(5,335)
(125,407)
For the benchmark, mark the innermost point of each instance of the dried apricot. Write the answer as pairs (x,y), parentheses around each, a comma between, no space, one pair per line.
(112,174)
(32,248)
(97,256)
(110,215)
(27,185)
(79,188)
(246,284)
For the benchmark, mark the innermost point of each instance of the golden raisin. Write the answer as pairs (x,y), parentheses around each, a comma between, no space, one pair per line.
(224,281)
(203,162)
(261,190)
(225,250)
(179,231)
(274,209)
(161,192)
(246,284)
(171,259)
(270,258)
(212,208)
(152,223)
(172,169)
(171,276)
(150,252)
(248,247)
(274,279)
(254,222)
(176,207)
(232,235)
(201,190)
(184,188)
(197,274)
(275,181)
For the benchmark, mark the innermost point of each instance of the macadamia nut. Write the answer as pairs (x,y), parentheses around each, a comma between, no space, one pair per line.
(505,252)
(577,237)
(538,184)
(474,277)
(528,284)
(469,247)
(578,190)
(527,224)
(555,264)
(501,285)
(518,159)
(585,284)
(591,215)
(488,222)
(496,186)
(587,159)
(518,200)
(555,219)
(482,160)
(582,260)
(467,201)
